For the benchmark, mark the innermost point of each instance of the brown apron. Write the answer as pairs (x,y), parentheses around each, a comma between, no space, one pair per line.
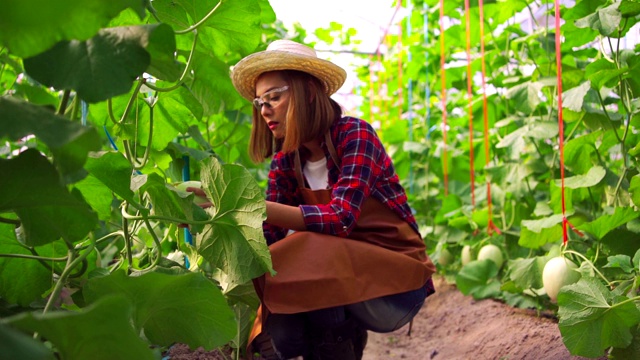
(383,255)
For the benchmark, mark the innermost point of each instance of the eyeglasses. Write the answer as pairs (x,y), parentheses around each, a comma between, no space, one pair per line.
(271,98)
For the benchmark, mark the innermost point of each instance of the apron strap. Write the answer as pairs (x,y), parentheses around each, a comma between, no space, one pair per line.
(298,169)
(298,163)
(331,148)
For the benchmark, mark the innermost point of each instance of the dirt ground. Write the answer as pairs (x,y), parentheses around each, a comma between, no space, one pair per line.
(452,326)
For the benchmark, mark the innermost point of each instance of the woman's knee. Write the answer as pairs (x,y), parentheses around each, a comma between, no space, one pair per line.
(388,313)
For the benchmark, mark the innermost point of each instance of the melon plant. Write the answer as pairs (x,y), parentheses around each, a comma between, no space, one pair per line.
(558,272)
(467,255)
(491,252)
(182,187)
(445,257)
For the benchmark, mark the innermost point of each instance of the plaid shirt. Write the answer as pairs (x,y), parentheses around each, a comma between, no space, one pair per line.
(366,170)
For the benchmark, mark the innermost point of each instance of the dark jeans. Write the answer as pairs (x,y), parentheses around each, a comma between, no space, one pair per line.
(291,333)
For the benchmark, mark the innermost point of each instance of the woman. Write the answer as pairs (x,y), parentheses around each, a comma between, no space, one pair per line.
(343,240)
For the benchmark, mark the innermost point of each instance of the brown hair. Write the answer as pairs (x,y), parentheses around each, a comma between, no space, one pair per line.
(310,114)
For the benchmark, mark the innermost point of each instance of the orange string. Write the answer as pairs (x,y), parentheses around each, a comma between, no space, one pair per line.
(383,101)
(485,115)
(560,121)
(470,96)
(445,168)
(371,89)
(400,52)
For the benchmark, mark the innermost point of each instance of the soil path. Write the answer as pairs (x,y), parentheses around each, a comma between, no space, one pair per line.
(452,326)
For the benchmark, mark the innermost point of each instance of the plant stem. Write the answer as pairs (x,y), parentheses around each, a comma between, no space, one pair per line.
(137,165)
(15,222)
(625,301)
(71,264)
(590,264)
(156,242)
(134,96)
(184,73)
(75,107)
(127,238)
(110,111)
(205,18)
(63,103)
(165,218)
(34,257)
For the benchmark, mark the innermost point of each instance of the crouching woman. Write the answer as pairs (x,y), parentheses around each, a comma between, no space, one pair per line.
(344,243)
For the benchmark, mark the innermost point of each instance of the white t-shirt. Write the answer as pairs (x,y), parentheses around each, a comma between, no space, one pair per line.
(317,174)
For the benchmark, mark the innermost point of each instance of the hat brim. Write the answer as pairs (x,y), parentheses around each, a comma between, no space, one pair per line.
(246,72)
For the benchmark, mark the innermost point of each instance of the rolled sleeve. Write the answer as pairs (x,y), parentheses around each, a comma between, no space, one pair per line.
(359,150)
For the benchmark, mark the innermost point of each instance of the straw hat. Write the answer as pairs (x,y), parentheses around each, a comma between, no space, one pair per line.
(285,55)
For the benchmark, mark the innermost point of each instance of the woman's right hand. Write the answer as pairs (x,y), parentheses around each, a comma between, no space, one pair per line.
(200,197)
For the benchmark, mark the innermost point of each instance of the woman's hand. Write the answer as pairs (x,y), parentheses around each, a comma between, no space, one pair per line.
(200,198)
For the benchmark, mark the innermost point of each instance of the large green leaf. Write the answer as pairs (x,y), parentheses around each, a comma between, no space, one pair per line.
(629,8)
(591,178)
(160,43)
(478,278)
(212,85)
(593,319)
(605,20)
(97,195)
(234,242)
(100,331)
(29,27)
(16,345)
(603,73)
(630,352)
(634,189)
(22,281)
(113,170)
(578,151)
(185,308)
(68,141)
(605,223)
(535,240)
(167,201)
(527,273)
(105,65)
(30,186)
(234,26)
(544,223)
(451,206)
(572,99)
(525,96)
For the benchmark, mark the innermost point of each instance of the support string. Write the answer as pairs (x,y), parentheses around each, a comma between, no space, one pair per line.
(565,237)
(485,115)
(445,165)
(470,97)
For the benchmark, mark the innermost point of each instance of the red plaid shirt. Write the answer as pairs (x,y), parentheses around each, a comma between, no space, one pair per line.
(366,170)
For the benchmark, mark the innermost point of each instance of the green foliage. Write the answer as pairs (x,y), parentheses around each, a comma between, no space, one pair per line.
(100,331)
(170,308)
(519,186)
(96,139)
(104,107)
(593,318)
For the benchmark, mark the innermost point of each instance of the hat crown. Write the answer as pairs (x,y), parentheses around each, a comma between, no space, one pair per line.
(283,55)
(291,47)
